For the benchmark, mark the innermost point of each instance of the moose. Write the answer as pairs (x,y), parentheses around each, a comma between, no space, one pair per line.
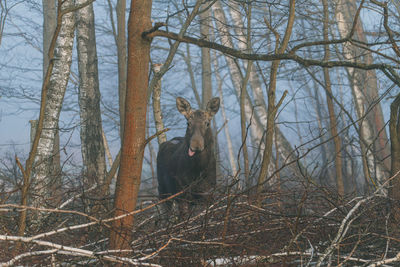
(188,163)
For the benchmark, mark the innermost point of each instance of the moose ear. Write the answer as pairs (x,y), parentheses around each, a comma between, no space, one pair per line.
(183,107)
(213,106)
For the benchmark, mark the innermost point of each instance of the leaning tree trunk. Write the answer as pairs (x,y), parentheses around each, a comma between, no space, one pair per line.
(92,146)
(259,114)
(373,138)
(133,142)
(236,74)
(42,181)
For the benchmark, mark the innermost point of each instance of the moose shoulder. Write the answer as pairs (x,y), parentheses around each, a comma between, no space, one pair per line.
(188,163)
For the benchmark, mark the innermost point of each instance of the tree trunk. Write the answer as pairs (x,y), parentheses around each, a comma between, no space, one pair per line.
(236,74)
(394,128)
(231,156)
(128,181)
(92,146)
(58,83)
(373,138)
(331,110)
(272,107)
(158,120)
(260,107)
(122,68)
(49,26)
(259,114)
(205,57)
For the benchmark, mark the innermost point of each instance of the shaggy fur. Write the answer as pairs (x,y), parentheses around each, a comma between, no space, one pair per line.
(188,163)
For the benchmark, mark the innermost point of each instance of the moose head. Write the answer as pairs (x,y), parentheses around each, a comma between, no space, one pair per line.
(198,123)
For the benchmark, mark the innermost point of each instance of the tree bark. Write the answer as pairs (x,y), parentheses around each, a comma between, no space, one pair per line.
(373,138)
(157,113)
(92,145)
(272,107)
(205,57)
(122,63)
(231,156)
(394,129)
(259,114)
(49,26)
(56,90)
(331,109)
(236,74)
(128,181)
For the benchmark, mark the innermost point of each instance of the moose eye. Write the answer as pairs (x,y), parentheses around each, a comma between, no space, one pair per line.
(207,124)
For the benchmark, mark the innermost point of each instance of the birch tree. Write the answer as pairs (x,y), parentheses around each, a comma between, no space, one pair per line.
(258,110)
(43,179)
(373,138)
(92,146)
(49,26)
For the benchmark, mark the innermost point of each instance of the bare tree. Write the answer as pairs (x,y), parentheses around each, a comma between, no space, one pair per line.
(373,139)
(272,106)
(157,113)
(329,102)
(206,72)
(122,59)
(133,142)
(49,26)
(43,178)
(92,146)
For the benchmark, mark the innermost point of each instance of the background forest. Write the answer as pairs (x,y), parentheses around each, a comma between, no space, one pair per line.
(306,139)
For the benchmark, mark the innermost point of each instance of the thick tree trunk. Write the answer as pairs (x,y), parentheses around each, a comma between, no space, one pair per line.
(373,138)
(58,83)
(92,146)
(49,26)
(128,182)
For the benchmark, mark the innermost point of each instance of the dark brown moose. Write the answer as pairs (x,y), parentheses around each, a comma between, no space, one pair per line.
(188,163)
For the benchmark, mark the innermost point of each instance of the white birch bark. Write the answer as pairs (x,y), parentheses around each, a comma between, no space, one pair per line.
(260,106)
(92,146)
(364,90)
(49,26)
(42,179)
(256,128)
(260,111)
